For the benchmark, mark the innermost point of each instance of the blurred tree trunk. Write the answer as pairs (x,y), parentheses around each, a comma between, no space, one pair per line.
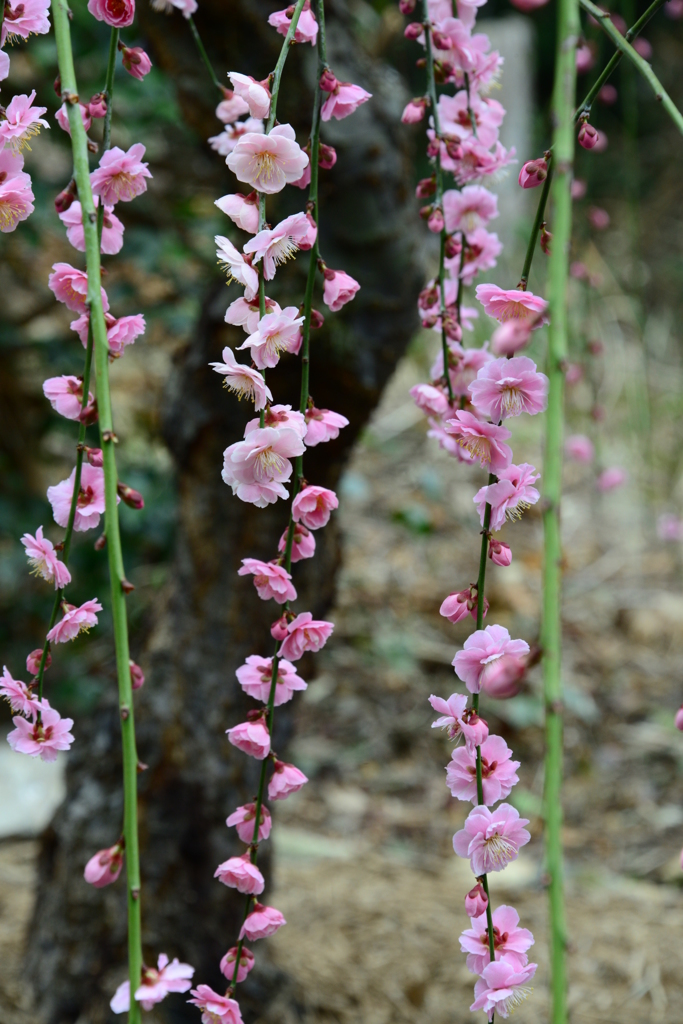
(211,619)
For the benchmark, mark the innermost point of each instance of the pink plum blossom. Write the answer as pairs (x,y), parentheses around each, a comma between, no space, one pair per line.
(227,964)
(120,176)
(430,399)
(117,13)
(461,603)
(16,194)
(511,336)
(225,142)
(476,161)
(70,286)
(285,780)
(239,873)
(18,694)
(279,416)
(74,621)
(90,502)
(510,497)
(480,649)
(231,107)
(243,210)
(240,378)
(44,561)
(255,94)
(510,941)
(251,738)
(105,866)
(255,678)
(512,304)
(484,441)
(21,122)
(502,986)
(246,313)
(343,100)
(303,543)
(42,738)
(323,425)
(456,112)
(306,28)
(276,333)
(34,659)
(136,61)
(463,367)
(257,467)
(579,448)
(448,443)
(476,901)
(156,983)
(270,580)
(509,387)
(216,1009)
(305,633)
(313,506)
(268,162)
(261,922)
(339,289)
(500,553)
(459,720)
(243,819)
(24,18)
(498,772)
(611,478)
(469,208)
(238,268)
(481,252)
(277,245)
(124,332)
(491,839)
(112,228)
(64,395)
(62,118)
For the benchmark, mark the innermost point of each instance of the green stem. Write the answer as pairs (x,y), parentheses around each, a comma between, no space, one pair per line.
(551,628)
(624,47)
(60,13)
(204,55)
(279,67)
(538,220)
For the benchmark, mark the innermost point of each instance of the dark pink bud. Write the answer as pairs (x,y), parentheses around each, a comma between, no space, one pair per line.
(428,297)
(533,173)
(453,333)
(435,221)
(33,661)
(130,496)
(476,901)
(453,247)
(89,415)
(98,105)
(65,198)
(414,30)
(588,136)
(426,212)
(105,867)
(57,84)
(327,157)
(678,720)
(454,149)
(328,82)
(499,553)
(545,239)
(426,187)
(137,63)
(433,148)
(101,542)
(137,676)
(279,628)
(94,456)
(406,6)
(441,41)
(317,319)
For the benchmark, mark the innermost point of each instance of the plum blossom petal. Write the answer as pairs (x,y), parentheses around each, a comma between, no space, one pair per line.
(74,621)
(255,94)
(491,839)
(498,772)
(512,495)
(268,162)
(216,1009)
(255,678)
(18,694)
(21,122)
(270,580)
(510,941)
(480,649)
(484,441)
(509,387)
(243,819)
(121,176)
(240,378)
(238,268)
(503,987)
(512,304)
(44,560)
(42,738)
(90,502)
(305,633)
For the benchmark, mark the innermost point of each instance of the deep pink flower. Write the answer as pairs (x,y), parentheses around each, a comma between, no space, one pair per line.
(243,819)
(313,506)
(136,61)
(62,118)
(227,964)
(16,195)
(499,773)
(459,720)
(306,27)
(579,448)
(24,18)
(261,922)
(511,336)
(343,100)
(237,267)
(339,289)
(241,379)
(18,694)
(21,122)
(509,387)
(120,176)
(90,503)
(484,441)
(74,621)
(270,580)
(251,738)
(510,497)
(503,987)
(112,230)
(257,467)
(117,13)
(34,659)
(42,738)
(469,208)
(461,603)
(510,941)
(70,286)
(303,543)
(64,395)
(491,839)
(239,873)
(285,780)
(279,416)
(512,304)
(457,112)
(476,901)
(242,210)
(255,678)
(480,649)
(533,173)
(216,1009)
(277,245)
(500,553)
(225,142)
(305,633)
(156,983)
(105,866)
(276,333)
(323,425)
(44,560)
(611,478)
(268,162)
(255,94)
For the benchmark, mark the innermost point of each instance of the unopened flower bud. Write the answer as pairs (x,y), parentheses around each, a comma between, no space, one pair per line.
(502,678)
(105,867)
(66,197)
(426,187)
(57,85)
(414,30)
(89,415)
(34,659)
(94,456)
(499,553)
(327,157)
(453,247)
(136,62)
(279,628)
(588,136)
(98,105)
(545,239)
(533,173)
(452,328)
(476,901)
(414,111)
(454,149)
(406,6)
(328,82)
(433,148)
(428,297)
(435,221)
(426,212)
(137,676)
(130,496)
(441,41)
(101,542)
(678,720)
(317,319)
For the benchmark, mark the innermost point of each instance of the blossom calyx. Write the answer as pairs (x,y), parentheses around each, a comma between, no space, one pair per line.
(130,496)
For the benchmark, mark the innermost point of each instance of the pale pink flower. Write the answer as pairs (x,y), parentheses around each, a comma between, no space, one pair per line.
(74,621)
(268,162)
(579,448)
(305,633)
(509,387)
(306,27)
(243,819)
(42,738)
(121,176)
(285,780)
(344,100)
(276,333)
(491,839)
(43,558)
(509,940)
(498,771)
(461,603)
(117,13)
(90,503)
(511,336)
(482,648)
(124,332)
(261,922)
(23,18)
(476,901)
(237,267)
(70,286)
(459,720)
(313,506)
(64,395)
(323,425)
(611,478)
(455,121)
(431,400)
(227,965)
(481,252)
(303,543)
(502,986)
(156,983)
(18,694)
(245,313)
(16,194)
(136,61)
(112,228)
(239,873)
(339,288)
(21,122)
(476,161)
(245,382)
(670,528)
(225,142)
(232,107)
(469,208)
(255,678)
(216,1009)
(34,659)
(484,441)
(255,94)
(414,111)
(277,245)
(457,43)
(279,416)
(257,467)
(62,118)
(533,173)
(251,738)
(512,304)
(105,866)
(510,497)
(186,7)
(270,580)
(242,210)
